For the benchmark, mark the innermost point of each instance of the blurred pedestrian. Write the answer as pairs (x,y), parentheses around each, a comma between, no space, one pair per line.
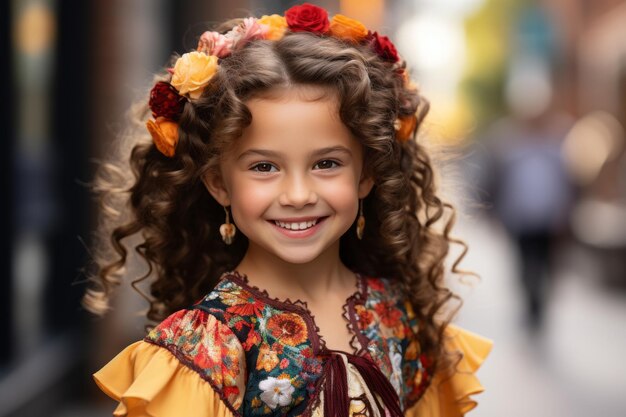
(530,187)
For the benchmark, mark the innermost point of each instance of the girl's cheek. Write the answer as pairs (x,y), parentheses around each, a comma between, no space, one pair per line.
(251,195)
(253,190)
(343,195)
(346,185)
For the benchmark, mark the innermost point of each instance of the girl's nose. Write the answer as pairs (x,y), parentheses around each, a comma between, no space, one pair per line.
(297,192)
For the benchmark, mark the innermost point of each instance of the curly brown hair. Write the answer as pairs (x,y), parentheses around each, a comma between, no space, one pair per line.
(408,233)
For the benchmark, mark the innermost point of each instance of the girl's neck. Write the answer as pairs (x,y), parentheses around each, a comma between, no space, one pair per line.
(311,282)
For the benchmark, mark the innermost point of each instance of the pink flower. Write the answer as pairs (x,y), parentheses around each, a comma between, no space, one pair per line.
(214,43)
(248,30)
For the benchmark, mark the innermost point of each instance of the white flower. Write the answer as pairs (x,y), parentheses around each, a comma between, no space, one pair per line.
(396,366)
(276,391)
(212,296)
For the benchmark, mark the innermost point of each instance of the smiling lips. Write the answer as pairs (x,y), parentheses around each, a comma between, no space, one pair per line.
(297,225)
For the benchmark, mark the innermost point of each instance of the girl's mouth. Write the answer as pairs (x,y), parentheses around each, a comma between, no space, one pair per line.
(298,228)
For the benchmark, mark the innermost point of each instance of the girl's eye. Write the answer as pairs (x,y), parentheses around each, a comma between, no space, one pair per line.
(326,164)
(264,167)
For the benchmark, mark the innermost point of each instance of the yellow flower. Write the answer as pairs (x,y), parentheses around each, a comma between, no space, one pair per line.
(192,73)
(164,134)
(349,29)
(277,26)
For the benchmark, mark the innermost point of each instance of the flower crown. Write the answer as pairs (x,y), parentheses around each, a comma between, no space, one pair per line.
(193,70)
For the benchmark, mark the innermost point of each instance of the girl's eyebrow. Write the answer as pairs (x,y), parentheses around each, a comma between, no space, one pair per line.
(274,154)
(331,149)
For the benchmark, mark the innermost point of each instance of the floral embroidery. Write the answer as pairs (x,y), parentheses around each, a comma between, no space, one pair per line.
(267,359)
(276,391)
(236,324)
(242,303)
(289,328)
(275,343)
(391,327)
(208,347)
(388,313)
(396,366)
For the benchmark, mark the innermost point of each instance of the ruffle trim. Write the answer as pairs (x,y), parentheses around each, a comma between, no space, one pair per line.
(147,380)
(451,397)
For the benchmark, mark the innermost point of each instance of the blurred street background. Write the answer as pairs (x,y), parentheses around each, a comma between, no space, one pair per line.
(531,94)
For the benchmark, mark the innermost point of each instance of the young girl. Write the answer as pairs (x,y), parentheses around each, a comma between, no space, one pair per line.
(289,217)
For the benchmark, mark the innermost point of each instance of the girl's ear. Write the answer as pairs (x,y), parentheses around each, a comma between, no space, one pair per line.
(216,187)
(365,186)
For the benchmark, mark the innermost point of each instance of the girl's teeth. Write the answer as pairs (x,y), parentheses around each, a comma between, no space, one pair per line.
(295,226)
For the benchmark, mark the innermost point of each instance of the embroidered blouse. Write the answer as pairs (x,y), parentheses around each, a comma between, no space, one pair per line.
(240,352)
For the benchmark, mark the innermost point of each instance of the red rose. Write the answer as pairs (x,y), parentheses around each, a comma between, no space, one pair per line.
(384,48)
(165,101)
(307,18)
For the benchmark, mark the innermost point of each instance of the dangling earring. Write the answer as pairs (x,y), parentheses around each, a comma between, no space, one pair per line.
(360,223)
(227,230)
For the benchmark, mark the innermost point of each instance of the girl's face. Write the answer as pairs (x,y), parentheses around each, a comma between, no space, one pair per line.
(293,180)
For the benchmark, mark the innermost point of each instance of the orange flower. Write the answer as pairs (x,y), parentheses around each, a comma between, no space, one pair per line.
(267,359)
(252,339)
(192,73)
(410,313)
(288,328)
(164,134)
(277,25)
(349,29)
(388,313)
(247,307)
(400,331)
(405,126)
(365,317)
(412,350)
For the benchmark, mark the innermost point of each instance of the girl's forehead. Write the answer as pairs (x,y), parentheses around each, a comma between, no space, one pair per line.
(305,117)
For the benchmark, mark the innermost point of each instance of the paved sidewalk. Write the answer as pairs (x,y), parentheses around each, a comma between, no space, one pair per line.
(574,366)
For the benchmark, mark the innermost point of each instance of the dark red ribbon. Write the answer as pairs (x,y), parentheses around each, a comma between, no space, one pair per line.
(336,394)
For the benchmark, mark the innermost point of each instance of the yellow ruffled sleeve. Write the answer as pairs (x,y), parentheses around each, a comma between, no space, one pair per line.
(451,397)
(148,379)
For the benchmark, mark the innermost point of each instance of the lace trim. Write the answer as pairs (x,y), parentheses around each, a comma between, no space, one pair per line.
(351,318)
(301,306)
